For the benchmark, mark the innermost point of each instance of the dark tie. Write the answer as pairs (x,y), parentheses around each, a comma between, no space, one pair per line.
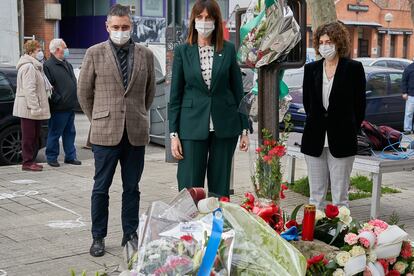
(123,59)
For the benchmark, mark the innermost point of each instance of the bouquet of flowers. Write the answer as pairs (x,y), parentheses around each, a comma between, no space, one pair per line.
(268,36)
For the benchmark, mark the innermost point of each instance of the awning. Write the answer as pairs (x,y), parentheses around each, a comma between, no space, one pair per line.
(361,23)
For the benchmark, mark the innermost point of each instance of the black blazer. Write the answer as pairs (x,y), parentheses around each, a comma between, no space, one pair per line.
(345,113)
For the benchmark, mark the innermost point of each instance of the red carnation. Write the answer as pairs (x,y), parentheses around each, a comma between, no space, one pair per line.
(258,150)
(291,223)
(224,199)
(282,195)
(384,264)
(406,251)
(393,273)
(249,197)
(284,187)
(267,158)
(267,142)
(331,211)
(315,259)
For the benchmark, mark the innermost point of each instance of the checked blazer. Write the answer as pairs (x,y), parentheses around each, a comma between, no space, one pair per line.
(108,105)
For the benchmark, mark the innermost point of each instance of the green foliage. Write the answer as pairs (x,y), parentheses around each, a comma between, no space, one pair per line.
(361,188)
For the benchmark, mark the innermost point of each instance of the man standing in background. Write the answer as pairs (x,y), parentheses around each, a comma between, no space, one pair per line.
(62,103)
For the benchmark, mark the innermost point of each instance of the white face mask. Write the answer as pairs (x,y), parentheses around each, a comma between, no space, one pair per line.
(40,56)
(120,37)
(327,51)
(204,28)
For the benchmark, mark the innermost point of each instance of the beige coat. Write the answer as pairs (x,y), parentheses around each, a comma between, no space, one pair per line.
(109,106)
(31,98)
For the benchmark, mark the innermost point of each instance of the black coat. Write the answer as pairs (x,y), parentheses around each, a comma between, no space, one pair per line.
(345,113)
(407,84)
(63,80)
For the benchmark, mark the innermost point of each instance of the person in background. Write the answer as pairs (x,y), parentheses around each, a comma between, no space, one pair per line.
(31,103)
(116,88)
(334,102)
(407,86)
(62,103)
(206,90)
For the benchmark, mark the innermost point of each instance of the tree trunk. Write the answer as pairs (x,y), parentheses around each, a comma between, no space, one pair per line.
(323,11)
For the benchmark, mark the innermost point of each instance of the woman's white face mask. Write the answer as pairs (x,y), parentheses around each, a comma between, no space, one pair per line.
(327,51)
(204,27)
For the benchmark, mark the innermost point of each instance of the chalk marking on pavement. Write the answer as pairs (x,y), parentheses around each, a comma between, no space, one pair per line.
(17,194)
(3,272)
(64,224)
(23,181)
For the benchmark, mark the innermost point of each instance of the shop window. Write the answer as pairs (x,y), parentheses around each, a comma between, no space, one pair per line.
(84,7)
(6,92)
(101,7)
(152,8)
(406,40)
(395,79)
(380,48)
(392,49)
(224,8)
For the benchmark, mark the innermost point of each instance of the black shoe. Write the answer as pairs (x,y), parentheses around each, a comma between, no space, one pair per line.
(97,248)
(132,238)
(53,163)
(73,162)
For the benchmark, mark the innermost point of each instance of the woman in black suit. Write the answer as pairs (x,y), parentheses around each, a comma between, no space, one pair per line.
(334,102)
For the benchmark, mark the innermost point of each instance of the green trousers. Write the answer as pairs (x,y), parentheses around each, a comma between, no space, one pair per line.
(213,155)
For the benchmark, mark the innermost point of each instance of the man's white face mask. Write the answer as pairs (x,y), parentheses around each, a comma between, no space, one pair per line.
(120,37)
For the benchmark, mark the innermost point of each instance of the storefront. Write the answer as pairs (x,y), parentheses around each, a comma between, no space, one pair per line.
(83,21)
(375,31)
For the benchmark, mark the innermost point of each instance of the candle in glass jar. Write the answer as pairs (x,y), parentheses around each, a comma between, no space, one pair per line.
(308,224)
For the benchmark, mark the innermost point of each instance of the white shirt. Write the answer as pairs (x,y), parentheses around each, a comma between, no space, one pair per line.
(326,92)
(206,54)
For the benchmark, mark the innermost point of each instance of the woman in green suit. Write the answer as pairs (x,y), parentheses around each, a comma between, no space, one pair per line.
(206,89)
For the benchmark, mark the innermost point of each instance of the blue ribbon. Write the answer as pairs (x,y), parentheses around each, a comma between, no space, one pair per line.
(213,244)
(291,234)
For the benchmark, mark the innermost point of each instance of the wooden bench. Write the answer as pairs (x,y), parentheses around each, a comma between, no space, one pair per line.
(375,166)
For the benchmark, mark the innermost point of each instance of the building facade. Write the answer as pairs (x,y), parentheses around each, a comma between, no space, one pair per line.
(378,28)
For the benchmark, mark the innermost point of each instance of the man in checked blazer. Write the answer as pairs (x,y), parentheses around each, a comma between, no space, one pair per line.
(115,90)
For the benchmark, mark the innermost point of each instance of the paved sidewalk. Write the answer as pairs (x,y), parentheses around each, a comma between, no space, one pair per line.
(45,216)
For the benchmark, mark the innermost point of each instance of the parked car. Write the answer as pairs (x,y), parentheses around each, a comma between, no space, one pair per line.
(396,63)
(10,132)
(384,105)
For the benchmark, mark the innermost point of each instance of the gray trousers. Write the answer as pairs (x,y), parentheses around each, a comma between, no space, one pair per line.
(325,169)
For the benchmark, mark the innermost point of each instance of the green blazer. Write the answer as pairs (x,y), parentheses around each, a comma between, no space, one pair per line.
(191,102)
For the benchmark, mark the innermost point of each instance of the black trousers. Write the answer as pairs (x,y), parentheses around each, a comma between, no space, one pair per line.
(131,159)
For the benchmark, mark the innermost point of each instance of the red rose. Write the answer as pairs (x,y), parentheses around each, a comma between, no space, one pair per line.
(224,199)
(315,259)
(393,273)
(267,142)
(284,187)
(291,223)
(259,150)
(406,251)
(331,211)
(282,195)
(384,264)
(187,238)
(249,197)
(267,158)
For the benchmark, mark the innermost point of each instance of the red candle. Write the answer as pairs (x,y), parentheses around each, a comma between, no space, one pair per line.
(308,223)
(197,194)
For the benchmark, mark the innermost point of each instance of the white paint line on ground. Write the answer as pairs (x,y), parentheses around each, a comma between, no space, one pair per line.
(64,224)
(17,194)
(24,181)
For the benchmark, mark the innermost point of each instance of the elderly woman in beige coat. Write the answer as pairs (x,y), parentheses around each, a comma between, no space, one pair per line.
(31,104)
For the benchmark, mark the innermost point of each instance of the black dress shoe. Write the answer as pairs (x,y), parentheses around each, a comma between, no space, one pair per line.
(53,163)
(97,248)
(73,162)
(132,238)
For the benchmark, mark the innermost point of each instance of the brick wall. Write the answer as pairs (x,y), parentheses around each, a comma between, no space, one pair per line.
(36,24)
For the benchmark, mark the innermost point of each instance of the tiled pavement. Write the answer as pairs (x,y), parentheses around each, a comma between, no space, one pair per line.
(30,243)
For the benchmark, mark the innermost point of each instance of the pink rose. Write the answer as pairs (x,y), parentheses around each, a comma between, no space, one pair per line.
(351,238)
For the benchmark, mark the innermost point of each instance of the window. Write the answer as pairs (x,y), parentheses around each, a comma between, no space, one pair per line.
(405,45)
(380,48)
(395,64)
(392,50)
(153,8)
(395,81)
(6,92)
(84,7)
(376,85)
(101,7)
(380,63)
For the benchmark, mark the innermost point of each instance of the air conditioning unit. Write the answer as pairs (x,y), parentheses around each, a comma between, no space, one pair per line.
(53,11)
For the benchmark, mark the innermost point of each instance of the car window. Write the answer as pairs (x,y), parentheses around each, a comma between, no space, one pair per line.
(377,85)
(380,63)
(395,64)
(395,82)
(6,92)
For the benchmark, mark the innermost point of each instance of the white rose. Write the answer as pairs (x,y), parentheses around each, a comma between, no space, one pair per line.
(357,250)
(400,267)
(319,215)
(345,215)
(372,257)
(342,258)
(338,272)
